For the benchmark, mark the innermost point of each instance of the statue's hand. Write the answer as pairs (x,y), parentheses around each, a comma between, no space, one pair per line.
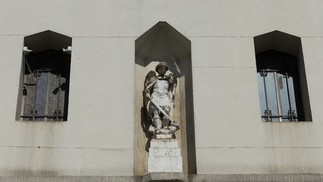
(148,96)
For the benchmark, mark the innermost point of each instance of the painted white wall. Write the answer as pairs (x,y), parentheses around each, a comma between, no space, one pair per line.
(98,138)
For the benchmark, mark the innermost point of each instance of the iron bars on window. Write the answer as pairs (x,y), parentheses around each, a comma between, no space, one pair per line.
(277,96)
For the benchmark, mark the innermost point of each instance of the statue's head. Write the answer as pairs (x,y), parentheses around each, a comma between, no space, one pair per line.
(162,68)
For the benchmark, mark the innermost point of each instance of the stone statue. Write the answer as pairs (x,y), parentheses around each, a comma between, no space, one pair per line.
(159,96)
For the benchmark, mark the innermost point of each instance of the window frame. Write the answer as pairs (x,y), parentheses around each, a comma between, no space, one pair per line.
(50,65)
(35,44)
(290,45)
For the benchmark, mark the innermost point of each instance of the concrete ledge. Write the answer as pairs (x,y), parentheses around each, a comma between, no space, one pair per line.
(172,177)
(70,178)
(255,177)
(167,176)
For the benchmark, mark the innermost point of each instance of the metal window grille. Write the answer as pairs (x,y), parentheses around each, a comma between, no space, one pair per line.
(45,87)
(277,96)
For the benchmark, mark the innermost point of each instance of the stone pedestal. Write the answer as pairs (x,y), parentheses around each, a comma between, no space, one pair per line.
(164,156)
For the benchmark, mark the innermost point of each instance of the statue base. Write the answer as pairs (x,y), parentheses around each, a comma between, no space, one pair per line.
(163,136)
(164,155)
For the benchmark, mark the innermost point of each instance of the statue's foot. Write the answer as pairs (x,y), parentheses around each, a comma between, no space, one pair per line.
(152,129)
(164,131)
(173,128)
(175,124)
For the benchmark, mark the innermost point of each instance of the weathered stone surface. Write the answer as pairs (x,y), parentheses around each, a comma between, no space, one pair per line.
(164,156)
(164,136)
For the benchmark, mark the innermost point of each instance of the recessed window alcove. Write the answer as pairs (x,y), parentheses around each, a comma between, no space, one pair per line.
(44,80)
(163,43)
(283,93)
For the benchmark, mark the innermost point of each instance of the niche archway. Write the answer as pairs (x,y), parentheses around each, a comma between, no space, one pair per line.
(280,54)
(44,80)
(161,43)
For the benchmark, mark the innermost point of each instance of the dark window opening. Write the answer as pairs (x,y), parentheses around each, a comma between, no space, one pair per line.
(281,74)
(279,87)
(46,86)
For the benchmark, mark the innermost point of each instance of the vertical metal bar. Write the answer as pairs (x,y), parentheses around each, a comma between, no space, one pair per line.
(278,97)
(266,98)
(58,95)
(289,103)
(47,97)
(23,100)
(34,111)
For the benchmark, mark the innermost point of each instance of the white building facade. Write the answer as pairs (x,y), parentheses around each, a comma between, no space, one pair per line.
(94,129)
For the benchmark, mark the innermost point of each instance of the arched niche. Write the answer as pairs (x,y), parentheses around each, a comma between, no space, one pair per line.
(163,43)
(44,81)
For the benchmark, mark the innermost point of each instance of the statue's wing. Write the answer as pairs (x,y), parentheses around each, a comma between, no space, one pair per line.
(151,77)
(150,80)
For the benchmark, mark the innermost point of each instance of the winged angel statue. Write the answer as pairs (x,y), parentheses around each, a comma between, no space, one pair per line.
(159,95)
